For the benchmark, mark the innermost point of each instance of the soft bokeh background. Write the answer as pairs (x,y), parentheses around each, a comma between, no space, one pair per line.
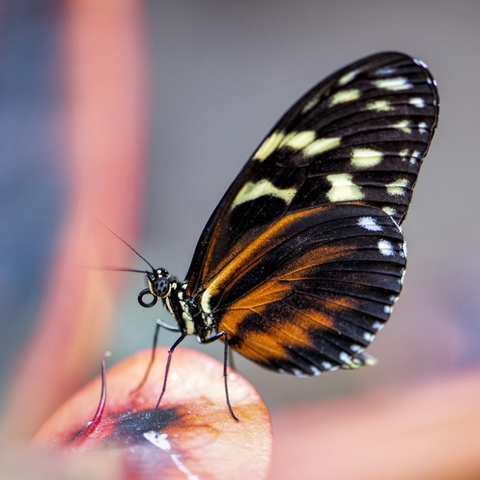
(222,73)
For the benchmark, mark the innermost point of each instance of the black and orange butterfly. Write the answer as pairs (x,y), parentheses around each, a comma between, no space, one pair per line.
(300,263)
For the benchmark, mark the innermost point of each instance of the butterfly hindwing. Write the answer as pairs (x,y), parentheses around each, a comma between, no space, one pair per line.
(313,289)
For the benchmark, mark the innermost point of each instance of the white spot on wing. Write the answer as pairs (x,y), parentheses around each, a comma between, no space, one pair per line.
(420,62)
(369,223)
(416,155)
(327,365)
(298,373)
(377,325)
(355,348)
(398,187)
(344,96)
(422,127)
(345,358)
(369,337)
(315,371)
(343,189)
(388,309)
(386,248)
(393,84)
(366,157)
(385,71)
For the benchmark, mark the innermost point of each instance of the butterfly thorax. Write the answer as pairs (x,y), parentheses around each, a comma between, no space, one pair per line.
(185,309)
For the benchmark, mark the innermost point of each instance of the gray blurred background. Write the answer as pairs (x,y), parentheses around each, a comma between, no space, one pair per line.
(223,72)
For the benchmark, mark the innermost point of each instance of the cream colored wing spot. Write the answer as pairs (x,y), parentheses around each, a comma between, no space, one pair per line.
(394,84)
(348,77)
(298,140)
(311,104)
(343,189)
(344,96)
(379,106)
(398,187)
(417,102)
(403,125)
(366,157)
(404,154)
(422,127)
(205,301)
(321,145)
(251,191)
(268,146)
(389,210)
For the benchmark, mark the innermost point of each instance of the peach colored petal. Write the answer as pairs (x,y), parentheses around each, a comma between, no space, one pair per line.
(200,432)
(415,432)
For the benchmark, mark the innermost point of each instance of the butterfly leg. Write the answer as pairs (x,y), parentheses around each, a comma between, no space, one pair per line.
(167,368)
(154,348)
(231,361)
(211,339)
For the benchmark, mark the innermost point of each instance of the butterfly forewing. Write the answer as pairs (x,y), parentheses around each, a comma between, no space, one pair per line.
(303,258)
(358,136)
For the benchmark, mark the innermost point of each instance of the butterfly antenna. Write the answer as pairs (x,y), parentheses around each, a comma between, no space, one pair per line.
(127,244)
(116,269)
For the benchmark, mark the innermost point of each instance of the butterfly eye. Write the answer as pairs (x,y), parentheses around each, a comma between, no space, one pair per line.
(161,287)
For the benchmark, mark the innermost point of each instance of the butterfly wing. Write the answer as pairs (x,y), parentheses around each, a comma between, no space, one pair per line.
(304,252)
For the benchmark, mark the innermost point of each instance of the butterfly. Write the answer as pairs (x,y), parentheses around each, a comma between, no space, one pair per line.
(301,262)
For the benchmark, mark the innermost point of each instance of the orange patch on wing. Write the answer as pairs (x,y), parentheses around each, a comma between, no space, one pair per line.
(299,268)
(245,254)
(250,255)
(289,328)
(277,341)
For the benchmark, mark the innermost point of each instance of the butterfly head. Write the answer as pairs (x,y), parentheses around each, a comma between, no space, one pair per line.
(159,286)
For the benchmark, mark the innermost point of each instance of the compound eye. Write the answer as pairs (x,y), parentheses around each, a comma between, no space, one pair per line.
(161,287)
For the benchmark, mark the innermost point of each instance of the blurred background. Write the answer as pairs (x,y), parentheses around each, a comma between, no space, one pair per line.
(221,73)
